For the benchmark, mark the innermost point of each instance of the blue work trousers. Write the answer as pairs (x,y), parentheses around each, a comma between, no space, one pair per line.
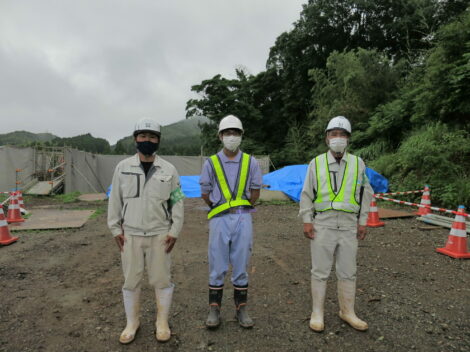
(230,242)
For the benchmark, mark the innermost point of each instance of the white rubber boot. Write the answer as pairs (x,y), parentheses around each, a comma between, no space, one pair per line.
(346,297)
(132,308)
(163,298)
(318,301)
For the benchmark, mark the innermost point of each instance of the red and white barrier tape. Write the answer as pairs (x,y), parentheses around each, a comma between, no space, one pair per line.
(6,200)
(399,193)
(442,210)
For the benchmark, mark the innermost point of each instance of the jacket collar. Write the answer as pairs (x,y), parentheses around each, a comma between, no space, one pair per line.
(136,161)
(332,160)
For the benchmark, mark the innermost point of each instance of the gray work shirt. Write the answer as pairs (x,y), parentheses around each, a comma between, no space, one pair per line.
(208,180)
(334,218)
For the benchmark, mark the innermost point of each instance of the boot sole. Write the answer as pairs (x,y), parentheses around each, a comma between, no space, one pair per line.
(245,326)
(355,328)
(212,326)
(130,341)
(316,330)
(163,341)
(159,340)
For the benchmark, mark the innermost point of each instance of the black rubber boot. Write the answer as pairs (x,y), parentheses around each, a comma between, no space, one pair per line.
(240,296)
(215,302)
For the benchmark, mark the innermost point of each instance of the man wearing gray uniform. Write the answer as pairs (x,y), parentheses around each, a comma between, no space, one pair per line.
(230,184)
(145,216)
(334,205)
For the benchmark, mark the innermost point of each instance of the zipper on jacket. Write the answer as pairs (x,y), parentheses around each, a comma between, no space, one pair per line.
(166,211)
(124,213)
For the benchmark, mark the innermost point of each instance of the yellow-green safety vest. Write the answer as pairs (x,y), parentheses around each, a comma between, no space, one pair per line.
(224,187)
(345,198)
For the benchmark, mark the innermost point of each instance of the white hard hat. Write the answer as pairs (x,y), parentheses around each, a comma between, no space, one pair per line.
(340,122)
(146,124)
(230,121)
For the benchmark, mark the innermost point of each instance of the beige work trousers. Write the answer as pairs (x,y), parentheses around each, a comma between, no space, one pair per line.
(329,244)
(145,251)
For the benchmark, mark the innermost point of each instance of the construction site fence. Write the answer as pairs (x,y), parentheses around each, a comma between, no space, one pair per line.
(12,159)
(82,171)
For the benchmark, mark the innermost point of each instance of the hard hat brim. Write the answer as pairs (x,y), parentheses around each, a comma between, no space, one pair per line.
(338,128)
(150,131)
(231,128)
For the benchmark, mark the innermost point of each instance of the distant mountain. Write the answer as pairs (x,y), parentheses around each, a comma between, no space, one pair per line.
(179,138)
(84,142)
(22,138)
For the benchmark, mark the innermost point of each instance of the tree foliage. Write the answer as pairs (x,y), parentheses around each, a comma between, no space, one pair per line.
(84,142)
(398,69)
(179,138)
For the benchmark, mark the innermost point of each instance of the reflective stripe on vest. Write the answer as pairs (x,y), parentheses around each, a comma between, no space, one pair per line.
(224,187)
(345,199)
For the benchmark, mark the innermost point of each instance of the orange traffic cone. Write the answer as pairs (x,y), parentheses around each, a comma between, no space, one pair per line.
(21,203)
(373,220)
(456,245)
(14,214)
(5,237)
(425,200)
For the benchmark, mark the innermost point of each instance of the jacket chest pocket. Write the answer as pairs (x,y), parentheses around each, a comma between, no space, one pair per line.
(130,185)
(159,186)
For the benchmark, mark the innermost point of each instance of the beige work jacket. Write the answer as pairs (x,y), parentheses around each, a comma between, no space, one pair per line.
(140,205)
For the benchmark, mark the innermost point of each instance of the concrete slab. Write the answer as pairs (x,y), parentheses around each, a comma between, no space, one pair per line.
(92,197)
(392,214)
(267,195)
(47,219)
(44,187)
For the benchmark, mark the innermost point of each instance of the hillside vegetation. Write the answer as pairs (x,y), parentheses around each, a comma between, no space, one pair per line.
(23,138)
(399,70)
(180,138)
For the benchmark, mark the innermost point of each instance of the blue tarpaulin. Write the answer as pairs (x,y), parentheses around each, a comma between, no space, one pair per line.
(190,186)
(377,181)
(289,180)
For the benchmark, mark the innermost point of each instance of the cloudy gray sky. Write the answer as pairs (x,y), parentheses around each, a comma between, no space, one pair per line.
(70,67)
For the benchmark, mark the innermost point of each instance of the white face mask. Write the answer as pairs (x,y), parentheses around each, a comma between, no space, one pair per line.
(338,144)
(232,142)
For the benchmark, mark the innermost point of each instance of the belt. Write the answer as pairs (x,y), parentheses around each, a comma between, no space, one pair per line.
(241,210)
(237,210)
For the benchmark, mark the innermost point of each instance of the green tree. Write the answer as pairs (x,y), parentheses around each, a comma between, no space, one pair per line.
(220,97)
(422,136)
(353,84)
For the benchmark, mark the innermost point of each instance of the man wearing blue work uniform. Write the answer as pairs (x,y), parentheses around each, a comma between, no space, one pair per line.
(230,184)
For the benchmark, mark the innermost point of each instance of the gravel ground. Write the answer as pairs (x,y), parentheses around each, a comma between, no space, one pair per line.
(61,290)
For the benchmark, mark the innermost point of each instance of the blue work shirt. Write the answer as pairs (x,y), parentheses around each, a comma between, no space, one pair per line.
(209,183)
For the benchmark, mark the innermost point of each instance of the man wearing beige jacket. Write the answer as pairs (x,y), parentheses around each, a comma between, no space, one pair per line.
(145,216)
(334,205)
